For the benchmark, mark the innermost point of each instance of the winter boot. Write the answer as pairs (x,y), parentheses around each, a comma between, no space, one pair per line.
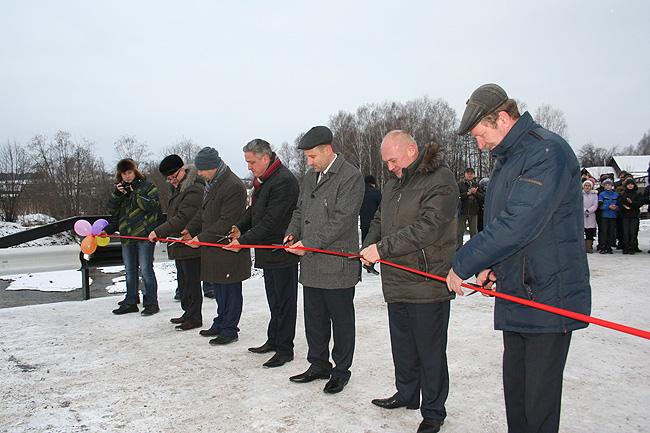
(590,246)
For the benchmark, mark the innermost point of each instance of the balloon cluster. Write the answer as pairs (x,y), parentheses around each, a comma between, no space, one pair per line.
(91,240)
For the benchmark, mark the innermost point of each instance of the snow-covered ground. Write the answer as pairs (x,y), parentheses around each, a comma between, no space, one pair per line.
(76,367)
(33,220)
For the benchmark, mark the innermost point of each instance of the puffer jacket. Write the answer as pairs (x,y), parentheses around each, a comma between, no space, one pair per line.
(632,199)
(415,226)
(135,213)
(590,205)
(533,239)
(184,201)
(605,200)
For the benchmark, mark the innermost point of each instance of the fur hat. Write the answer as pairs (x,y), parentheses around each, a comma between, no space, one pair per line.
(170,165)
(125,165)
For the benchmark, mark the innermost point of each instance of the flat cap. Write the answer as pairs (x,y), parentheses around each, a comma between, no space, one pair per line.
(483,101)
(315,137)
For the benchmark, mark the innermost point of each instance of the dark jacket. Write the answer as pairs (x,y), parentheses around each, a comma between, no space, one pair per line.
(470,203)
(371,201)
(533,239)
(327,218)
(135,213)
(266,220)
(184,201)
(220,210)
(632,199)
(416,227)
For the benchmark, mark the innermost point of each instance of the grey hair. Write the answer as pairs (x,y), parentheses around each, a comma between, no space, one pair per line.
(259,148)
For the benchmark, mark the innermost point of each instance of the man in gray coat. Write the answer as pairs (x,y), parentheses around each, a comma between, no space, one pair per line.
(326,218)
(415,226)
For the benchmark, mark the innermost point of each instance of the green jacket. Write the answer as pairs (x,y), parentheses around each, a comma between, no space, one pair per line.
(136,213)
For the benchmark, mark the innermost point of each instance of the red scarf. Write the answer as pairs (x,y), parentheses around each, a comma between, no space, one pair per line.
(274,166)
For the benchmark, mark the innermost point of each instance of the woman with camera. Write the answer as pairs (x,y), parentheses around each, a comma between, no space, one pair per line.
(135,207)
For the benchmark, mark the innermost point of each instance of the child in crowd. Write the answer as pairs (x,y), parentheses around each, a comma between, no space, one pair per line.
(590,200)
(629,202)
(607,203)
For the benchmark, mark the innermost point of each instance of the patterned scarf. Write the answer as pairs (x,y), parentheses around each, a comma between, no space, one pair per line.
(221,169)
(274,166)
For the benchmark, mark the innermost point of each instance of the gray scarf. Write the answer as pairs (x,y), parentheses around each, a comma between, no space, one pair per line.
(221,169)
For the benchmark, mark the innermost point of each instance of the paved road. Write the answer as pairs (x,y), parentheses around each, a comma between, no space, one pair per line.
(14,261)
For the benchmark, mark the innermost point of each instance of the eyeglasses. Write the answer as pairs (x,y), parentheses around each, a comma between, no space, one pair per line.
(170,179)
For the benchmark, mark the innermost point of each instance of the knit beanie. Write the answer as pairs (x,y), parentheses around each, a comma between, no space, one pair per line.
(207,159)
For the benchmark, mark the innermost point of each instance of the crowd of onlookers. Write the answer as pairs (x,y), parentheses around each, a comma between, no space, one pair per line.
(612,210)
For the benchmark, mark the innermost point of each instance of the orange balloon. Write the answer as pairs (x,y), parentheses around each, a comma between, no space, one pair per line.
(102,241)
(89,244)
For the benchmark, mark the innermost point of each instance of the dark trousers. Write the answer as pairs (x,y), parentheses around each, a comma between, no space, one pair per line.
(418,338)
(533,366)
(590,233)
(282,295)
(608,228)
(188,275)
(229,305)
(630,233)
(330,311)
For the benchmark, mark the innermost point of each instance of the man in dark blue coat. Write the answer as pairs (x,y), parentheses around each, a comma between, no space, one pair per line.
(275,194)
(532,247)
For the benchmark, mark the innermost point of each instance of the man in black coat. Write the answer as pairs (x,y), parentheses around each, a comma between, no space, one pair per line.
(471,198)
(371,201)
(264,222)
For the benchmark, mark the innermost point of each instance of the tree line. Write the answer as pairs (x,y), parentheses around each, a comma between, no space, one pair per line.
(63,177)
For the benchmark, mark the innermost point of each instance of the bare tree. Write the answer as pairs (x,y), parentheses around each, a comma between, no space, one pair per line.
(643,147)
(128,146)
(14,166)
(185,148)
(552,119)
(592,156)
(69,180)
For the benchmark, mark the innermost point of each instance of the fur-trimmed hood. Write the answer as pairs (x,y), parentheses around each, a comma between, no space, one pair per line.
(433,158)
(191,177)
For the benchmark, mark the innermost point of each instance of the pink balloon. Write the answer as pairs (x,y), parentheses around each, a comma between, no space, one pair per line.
(98,226)
(88,245)
(82,228)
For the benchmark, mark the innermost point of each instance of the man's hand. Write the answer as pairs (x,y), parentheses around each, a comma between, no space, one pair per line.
(486,279)
(370,255)
(235,233)
(231,246)
(472,191)
(153,236)
(185,235)
(454,282)
(192,242)
(294,250)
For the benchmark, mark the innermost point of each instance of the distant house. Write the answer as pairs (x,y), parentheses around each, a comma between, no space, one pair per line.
(636,165)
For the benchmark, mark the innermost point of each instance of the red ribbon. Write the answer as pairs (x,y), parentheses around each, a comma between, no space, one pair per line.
(570,314)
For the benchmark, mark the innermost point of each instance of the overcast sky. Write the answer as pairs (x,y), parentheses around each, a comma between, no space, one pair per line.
(225,72)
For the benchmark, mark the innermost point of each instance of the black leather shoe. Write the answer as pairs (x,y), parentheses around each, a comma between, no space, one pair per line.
(392,403)
(186,326)
(278,360)
(177,320)
(264,348)
(223,339)
(430,425)
(126,308)
(150,310)
(309,376)
(209,332)
(335,384)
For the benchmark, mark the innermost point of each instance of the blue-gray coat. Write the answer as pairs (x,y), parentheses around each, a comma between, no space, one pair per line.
(327,218)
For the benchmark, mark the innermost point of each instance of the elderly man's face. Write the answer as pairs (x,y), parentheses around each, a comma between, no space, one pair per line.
(469,175)
(398,155)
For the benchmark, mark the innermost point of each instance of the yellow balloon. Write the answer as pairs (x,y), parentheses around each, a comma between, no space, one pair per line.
(88,245)
(102,241)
